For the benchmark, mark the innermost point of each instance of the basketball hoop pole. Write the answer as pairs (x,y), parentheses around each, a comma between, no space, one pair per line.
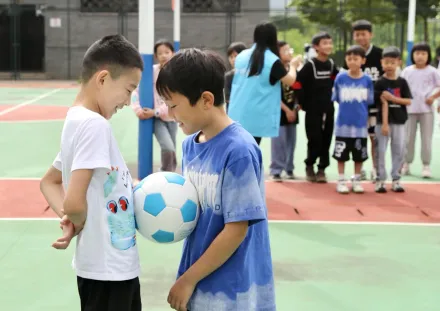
(176,13)
(146,48)
(411,30)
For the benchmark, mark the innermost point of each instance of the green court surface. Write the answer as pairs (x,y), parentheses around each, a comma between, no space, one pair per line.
(318,266)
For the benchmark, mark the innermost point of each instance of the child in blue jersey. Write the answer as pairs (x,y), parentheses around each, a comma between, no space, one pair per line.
(226,262)
(354,92)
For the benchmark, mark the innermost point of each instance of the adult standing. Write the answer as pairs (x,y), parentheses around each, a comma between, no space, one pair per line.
(256,96)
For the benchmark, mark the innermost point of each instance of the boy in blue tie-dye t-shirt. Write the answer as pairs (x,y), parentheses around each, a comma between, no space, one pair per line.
(226,262)
(354,92)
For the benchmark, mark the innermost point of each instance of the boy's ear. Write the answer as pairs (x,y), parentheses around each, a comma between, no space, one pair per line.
(207,99)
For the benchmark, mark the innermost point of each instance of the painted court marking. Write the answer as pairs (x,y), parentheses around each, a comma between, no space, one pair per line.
(29,102)
(279,211)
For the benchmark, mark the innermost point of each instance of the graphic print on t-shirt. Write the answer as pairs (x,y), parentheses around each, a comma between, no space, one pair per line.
(120,212)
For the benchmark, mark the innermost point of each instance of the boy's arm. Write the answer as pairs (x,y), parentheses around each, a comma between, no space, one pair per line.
(51,186)
(384,108)
(75,203)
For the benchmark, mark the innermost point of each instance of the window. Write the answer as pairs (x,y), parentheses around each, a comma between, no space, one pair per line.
(203,6)
(112,6)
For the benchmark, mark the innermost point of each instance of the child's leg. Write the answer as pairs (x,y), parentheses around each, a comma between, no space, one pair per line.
(278,153)
(290,147)
(313,123)
(341,153)
(426,131)
(327,135)
(411,129)
(382,144)
(357,168)
(342,183)
(168,150)
(397,133)
(359,150)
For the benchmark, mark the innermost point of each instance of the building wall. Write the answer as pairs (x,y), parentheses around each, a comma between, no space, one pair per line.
(209,30)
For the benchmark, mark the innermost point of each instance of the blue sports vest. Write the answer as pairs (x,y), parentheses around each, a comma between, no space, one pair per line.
(254,102)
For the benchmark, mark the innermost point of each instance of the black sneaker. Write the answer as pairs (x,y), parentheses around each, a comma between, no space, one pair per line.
(310,174)
(277,177)
(290,175)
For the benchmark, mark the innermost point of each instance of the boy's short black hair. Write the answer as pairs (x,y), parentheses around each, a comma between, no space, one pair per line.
(190,72)
(355,50)
(362,24)
(320,36)
(114,53)
(391,52)
(165,42)
(237,47)
(422,46)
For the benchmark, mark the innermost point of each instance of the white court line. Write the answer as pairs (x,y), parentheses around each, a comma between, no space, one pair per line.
(32,121)
(303,222)
(28,102)
(267,180)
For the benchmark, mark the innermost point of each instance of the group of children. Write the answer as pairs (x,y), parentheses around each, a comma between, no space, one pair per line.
(373,100)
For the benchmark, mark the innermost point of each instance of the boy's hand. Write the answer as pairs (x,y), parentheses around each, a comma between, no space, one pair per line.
(148,113)
(385,129)
(430,100)
(180,293)
(291,116)
(387,95)
(296,61)
(68,234)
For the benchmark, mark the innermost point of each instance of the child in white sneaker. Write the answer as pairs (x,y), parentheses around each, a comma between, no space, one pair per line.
(354,92)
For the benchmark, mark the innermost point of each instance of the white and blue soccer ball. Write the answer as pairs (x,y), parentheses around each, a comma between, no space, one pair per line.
(166,207)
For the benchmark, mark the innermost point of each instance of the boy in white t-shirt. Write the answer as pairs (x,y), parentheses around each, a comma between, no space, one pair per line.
(89,185)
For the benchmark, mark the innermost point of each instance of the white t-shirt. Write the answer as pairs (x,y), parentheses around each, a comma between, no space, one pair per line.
(106,248)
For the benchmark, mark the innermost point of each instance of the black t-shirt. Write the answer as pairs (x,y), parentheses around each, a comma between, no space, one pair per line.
(288,98)
(277,72)
(314,83)
(397,114)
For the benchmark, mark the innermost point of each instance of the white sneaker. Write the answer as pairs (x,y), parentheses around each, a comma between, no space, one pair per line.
(397,187)
(426,172)
(342,187)
(357,187)
(405,169)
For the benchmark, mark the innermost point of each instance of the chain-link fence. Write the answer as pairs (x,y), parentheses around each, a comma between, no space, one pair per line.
(50,40)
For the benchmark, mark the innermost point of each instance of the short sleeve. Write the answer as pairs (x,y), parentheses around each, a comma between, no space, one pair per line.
(242,196)
(92,145)
(436,77)
(371,94)
(57,162)
(405,91)
(305,74)
(335,93)
(277,72)
(378,89)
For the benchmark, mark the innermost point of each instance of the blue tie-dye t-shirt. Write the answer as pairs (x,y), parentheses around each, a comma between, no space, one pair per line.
(227,172)
(354,96)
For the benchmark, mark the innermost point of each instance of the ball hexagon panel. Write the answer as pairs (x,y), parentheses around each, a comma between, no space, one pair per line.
(174,195)
(154,204)
(189,211)
(163,236)
(154,183)
(146,224)
(184,230)
(170,219)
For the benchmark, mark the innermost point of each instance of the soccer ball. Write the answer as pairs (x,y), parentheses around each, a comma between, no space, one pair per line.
(166,207)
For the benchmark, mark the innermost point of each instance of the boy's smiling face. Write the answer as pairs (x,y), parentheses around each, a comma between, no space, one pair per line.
(362,38)
(190,119)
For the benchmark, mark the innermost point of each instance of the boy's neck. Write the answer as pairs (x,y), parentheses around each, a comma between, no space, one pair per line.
(218,123)
(366,48)
(420,66)
(322,57)
(355,73)
(84,98)
(390,75)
